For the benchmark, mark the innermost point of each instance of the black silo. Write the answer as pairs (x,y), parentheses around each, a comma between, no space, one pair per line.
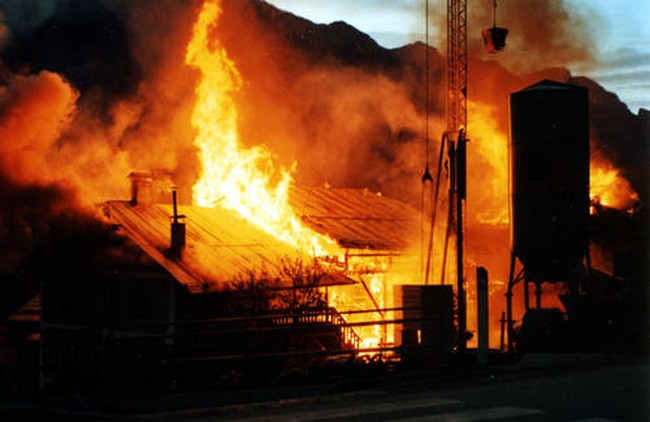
(550,179)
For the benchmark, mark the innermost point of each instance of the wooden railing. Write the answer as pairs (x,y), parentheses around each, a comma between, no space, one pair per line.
(327,315)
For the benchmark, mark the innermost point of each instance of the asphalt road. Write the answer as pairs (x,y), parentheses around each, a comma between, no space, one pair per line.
(539,388)
(619,393)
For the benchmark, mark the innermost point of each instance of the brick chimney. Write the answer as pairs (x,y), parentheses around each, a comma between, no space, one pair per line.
(141,188)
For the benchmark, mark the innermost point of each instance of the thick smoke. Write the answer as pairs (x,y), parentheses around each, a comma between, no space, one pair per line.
(349,112)
(45,224)
(34,109)
(134,94)
(91,90)
(4,31)
(324,96)
(543,33)
(70,105)
(159,135)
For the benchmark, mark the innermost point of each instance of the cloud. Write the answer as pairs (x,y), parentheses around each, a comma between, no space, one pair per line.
(629,76)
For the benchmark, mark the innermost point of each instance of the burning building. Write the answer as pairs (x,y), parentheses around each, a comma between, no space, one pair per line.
(245,109)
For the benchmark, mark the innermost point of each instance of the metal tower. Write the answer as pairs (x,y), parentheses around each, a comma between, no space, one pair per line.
(457,125)
(454,141)
(456,65)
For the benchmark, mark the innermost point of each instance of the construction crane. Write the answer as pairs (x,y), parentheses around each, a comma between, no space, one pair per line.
(457,127)
(454,143)
(456,66)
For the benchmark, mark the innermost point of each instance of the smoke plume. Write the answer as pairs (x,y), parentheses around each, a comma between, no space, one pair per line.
(90,90)
(543,33)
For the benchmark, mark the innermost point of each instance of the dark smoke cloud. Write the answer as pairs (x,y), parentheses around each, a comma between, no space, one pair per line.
(160,136)
(76,115)
(126,61)
(4,31)
(84,40)
(26,215)
(46,235)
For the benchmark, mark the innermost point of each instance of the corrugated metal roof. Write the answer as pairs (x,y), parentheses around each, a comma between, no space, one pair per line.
(356,218)
(220,244)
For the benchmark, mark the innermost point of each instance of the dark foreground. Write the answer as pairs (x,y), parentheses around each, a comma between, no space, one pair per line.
(540,387)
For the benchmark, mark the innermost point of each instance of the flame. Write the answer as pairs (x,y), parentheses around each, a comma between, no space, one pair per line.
(487,206)
(487,166)
(490,175)
(242,179)
(247,180)
(372,295)
(608,187)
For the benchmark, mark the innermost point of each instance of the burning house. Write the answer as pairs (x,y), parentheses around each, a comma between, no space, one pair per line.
(279,135)
(194,306)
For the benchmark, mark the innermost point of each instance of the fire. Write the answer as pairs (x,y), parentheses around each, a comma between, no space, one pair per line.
(608,187)
(487,166)
(372,295)
(242,179)
(247,180)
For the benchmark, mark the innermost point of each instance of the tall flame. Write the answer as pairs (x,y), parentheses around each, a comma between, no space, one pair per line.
(247,180)
(242,179)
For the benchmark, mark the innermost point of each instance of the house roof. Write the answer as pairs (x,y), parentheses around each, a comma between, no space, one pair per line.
(356,218)
(221,245)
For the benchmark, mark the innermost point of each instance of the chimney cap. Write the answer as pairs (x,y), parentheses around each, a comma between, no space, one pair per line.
(141,175)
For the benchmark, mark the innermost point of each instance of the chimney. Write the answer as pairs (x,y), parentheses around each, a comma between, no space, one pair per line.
(141,188)
(177,230)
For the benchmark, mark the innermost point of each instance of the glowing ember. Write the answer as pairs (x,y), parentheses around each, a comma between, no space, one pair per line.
(245,180)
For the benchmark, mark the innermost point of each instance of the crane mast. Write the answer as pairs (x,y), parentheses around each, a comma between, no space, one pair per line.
(454,142)
(457,125)
(456,65)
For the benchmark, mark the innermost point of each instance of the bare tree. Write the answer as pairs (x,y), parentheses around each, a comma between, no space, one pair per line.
(295,286)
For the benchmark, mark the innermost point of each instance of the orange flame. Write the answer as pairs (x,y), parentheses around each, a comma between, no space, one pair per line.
(372,276)
(248,181)
(608,187)
(487,166)
(244,180)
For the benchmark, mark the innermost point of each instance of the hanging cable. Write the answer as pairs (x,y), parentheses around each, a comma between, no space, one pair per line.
(426,176)
(443,143)
(426,79)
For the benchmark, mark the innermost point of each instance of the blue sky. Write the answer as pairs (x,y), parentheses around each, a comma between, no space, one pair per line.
(621,32)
